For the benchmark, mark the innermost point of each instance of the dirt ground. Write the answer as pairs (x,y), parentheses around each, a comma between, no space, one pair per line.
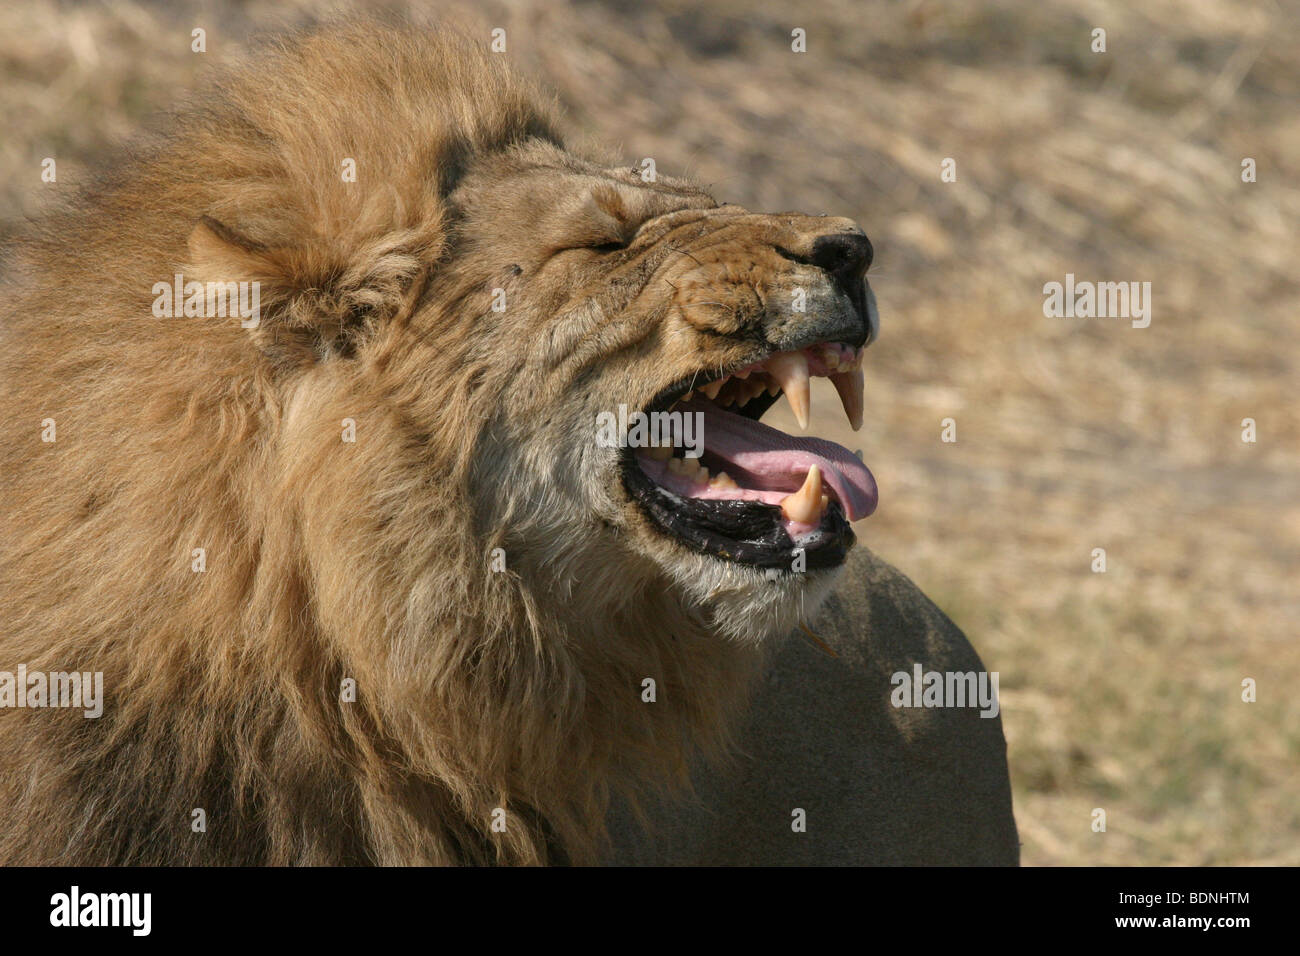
(1121,690)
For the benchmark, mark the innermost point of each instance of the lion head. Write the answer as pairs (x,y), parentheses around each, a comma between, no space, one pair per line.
(649,302)
(401,470)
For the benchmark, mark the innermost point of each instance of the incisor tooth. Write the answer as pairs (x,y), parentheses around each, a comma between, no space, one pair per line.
(849,385)
(805,505)
(712,390)
(790,369)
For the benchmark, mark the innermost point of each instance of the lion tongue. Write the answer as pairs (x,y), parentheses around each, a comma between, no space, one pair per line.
(766,459)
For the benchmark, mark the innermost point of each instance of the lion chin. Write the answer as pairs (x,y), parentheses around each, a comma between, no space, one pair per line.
(742,608)
(366,573)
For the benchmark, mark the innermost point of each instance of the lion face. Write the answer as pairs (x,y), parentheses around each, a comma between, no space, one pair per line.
(653,328)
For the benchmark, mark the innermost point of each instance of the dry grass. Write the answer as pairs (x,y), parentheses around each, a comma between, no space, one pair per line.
(1120,690)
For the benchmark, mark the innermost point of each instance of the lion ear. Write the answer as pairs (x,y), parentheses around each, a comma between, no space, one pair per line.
(309,301)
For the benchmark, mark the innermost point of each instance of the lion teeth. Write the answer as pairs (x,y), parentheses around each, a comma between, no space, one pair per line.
(743,373)
(689,468)
(711,390)
(831,357)
(790,369)
(723,480)
(687,397)
(805,505)
(850,387)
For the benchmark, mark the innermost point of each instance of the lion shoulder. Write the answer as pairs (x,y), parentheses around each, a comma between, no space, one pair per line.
(877,784)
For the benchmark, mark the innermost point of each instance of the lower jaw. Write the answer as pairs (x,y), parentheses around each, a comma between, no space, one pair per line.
(743,532)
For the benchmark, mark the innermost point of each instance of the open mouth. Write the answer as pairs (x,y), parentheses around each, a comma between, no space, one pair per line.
(756,494)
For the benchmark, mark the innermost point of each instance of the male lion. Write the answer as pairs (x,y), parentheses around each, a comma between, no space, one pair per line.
(362,583)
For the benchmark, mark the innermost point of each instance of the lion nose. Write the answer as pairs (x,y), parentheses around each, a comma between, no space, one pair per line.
(845,255)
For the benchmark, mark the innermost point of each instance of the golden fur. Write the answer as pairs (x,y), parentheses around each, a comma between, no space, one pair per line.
(477,689)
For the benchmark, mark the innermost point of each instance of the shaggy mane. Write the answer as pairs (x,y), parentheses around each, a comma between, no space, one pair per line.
(476,691)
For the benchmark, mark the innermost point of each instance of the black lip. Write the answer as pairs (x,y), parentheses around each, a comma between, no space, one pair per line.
(746,532)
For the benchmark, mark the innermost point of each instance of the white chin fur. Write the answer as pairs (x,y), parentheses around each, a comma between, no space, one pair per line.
(746,604)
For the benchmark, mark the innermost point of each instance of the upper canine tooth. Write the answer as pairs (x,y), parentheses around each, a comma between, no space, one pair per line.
(712,389)
(790,369)
(849,385)
(805,505)
(687,397)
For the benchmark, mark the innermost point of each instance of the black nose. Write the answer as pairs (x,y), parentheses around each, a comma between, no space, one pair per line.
(845,255)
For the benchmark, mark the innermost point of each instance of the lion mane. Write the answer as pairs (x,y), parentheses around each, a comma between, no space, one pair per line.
(189,515)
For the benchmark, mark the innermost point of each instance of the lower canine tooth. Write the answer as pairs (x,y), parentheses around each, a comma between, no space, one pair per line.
(790,369)
(805,505)
(849,385)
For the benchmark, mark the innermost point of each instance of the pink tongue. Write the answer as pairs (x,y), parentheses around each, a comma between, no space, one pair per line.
(757,456)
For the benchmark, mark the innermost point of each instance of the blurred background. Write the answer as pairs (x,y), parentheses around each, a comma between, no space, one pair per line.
(1121,690)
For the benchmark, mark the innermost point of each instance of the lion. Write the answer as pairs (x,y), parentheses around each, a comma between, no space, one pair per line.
(303,464)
